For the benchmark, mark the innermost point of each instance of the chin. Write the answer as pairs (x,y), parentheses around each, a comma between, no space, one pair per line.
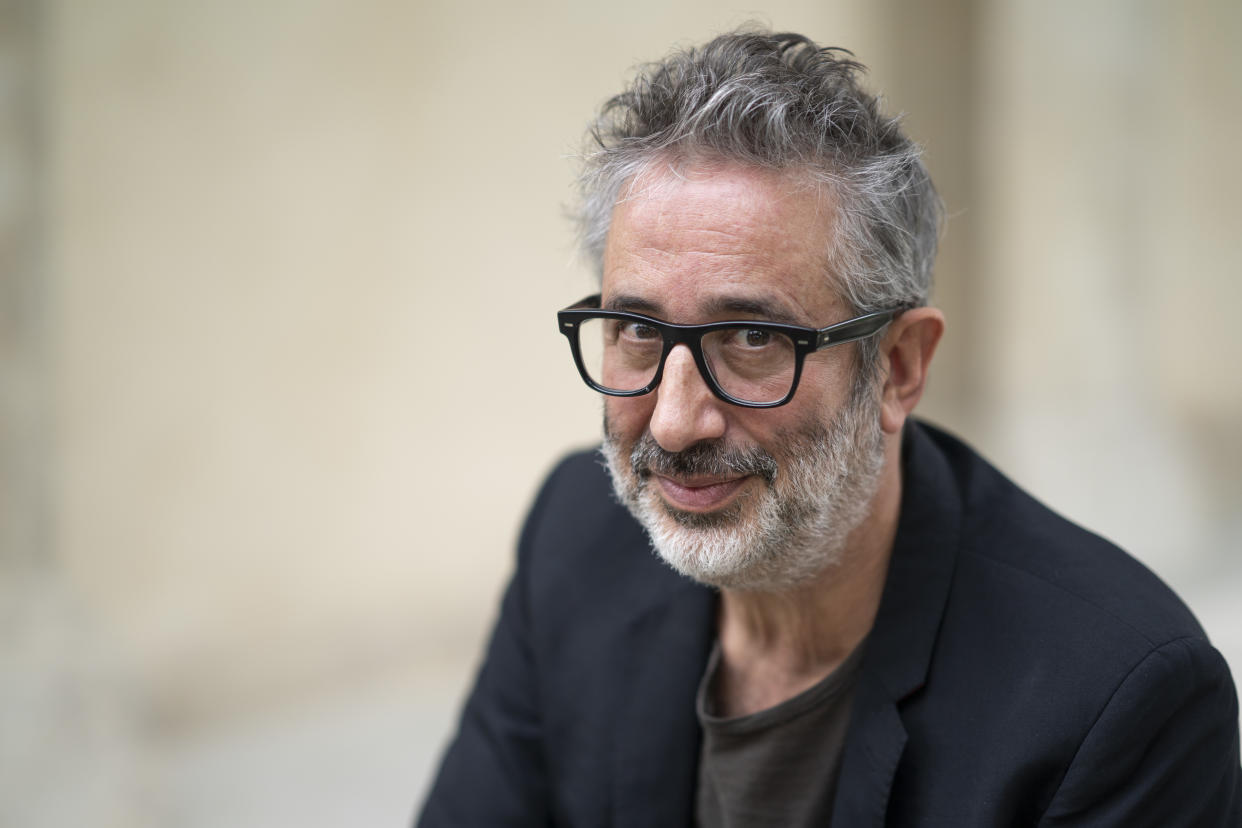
(747,547)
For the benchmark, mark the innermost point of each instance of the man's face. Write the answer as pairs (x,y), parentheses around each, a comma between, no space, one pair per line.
(736,497)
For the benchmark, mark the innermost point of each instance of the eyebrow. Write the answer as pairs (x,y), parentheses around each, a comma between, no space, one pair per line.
(753,307)
(722,306)
(632,304)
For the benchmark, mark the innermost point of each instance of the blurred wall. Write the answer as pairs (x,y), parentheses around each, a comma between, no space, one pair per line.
(280,370)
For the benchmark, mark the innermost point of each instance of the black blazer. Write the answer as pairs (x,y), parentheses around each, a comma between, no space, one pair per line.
(1021,671)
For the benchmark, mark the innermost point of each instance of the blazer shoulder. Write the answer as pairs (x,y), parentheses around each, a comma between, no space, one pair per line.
(1052,560)
(1163,750)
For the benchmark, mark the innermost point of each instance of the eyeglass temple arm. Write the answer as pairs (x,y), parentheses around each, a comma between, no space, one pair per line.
(859,328)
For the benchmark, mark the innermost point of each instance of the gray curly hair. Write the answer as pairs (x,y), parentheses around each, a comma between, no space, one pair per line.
(777,101)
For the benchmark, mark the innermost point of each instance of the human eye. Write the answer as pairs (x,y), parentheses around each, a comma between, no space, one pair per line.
(754,346)
(757,337)
(751,339)
(635,331)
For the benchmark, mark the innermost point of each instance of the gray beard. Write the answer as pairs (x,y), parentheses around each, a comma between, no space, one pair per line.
(817,492)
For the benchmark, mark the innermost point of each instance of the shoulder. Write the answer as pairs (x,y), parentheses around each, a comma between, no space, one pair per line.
(1018,548)
(1091,667)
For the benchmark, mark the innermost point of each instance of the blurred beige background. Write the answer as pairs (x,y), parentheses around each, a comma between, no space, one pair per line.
(279,373)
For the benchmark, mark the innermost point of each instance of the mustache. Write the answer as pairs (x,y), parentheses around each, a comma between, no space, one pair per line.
(707,458)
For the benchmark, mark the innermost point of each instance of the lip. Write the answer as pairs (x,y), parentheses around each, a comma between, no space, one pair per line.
(699,495)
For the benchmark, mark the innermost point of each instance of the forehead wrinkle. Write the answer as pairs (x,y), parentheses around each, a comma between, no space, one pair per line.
(686,232)
(663,204)
(755,245)
(651,262)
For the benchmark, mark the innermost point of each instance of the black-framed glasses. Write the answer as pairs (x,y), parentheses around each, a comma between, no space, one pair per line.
(747,362)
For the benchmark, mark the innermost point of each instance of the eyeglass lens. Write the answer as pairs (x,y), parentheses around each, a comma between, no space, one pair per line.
(750,364)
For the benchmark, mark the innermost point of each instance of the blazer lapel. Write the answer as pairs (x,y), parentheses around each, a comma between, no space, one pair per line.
(657,732)
(899,648)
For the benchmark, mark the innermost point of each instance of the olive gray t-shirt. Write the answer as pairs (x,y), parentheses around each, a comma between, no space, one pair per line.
(777,767)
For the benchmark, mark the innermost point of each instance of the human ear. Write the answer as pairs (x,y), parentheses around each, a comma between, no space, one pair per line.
(905,354)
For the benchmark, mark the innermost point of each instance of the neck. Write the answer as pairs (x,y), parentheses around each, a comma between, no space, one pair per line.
(774,645)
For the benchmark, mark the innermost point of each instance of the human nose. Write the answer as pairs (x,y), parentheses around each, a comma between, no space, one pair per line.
(686,412)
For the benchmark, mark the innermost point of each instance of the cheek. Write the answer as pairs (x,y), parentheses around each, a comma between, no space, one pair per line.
(626,418)
(823,392)
(827,380)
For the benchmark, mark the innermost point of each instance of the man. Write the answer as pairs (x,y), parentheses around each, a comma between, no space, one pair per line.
(852,619)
